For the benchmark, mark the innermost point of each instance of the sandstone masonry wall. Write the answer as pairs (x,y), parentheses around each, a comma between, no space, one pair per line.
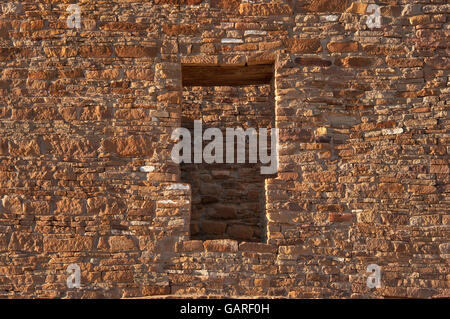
(86,117)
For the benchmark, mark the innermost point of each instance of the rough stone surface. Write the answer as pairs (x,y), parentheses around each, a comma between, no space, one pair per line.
(364,140)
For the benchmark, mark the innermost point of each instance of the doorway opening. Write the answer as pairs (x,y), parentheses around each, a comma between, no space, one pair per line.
(228,199)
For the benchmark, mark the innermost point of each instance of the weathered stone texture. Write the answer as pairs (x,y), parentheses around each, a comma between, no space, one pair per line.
(86,117)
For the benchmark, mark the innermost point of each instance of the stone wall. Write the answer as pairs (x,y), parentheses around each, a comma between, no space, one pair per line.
(86,178)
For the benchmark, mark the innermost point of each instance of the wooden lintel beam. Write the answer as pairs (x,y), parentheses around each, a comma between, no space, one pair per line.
(219,75)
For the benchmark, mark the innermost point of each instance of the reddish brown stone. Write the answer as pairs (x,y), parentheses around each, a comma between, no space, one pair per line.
(192,245)
(25,148)
(421,19)
(122,26)
(265,9)
(221,245)
(213,227)
(8,53)
(420,293)
(374,49)
(229,5)
(225,212)
(340,218)
(421,189)
(154,290)
(118,276)
(61,52)
(331,208)
(328,6)
(137,145)
(180,29)
(121,243)
(170,97)
(356,62)
(95,51)
(4,84)
(391,187)
(294,250)
(179,2)
(3,243)
(78,243)
(27,242)
(404,62)
(441,63)
(241,232)
(391,11)
(303,45)
(312,62)
(3,146)
(257,248)
(357,8)
(136,51)
(348,46)
(71,73)
(70,206)
(440,169)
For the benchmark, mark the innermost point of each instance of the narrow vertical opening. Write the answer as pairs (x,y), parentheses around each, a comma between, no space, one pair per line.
(228,199)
